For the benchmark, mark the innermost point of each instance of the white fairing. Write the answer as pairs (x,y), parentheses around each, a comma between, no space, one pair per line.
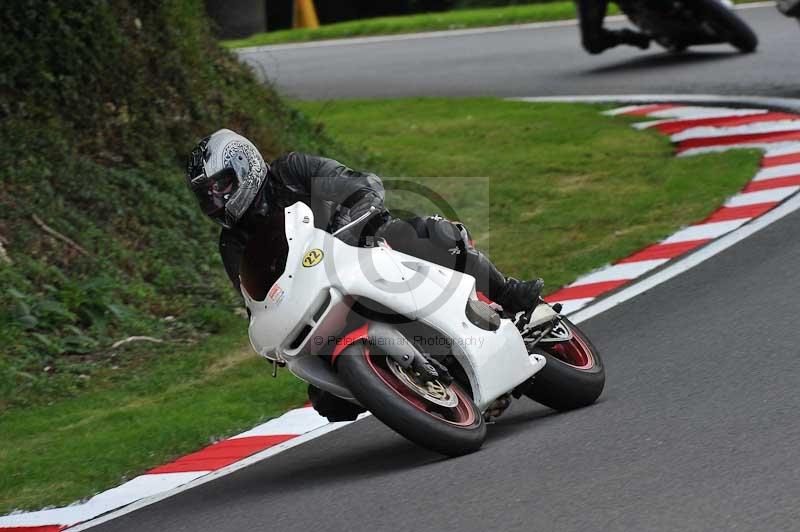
(306,308)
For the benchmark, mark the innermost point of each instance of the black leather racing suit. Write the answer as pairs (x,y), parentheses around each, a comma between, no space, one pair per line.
(337,194)
(594,37)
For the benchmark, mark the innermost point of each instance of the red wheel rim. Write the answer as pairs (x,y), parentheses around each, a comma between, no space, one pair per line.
(461,415)
(575,352)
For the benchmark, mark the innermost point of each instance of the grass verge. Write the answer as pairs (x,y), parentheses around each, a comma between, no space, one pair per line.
(569,190)
(166,408)
(448,20)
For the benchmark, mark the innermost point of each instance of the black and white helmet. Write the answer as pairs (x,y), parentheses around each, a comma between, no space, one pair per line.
(225,172)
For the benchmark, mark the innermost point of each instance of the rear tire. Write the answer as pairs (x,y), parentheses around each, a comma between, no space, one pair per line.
(573,377)
(365,371)
(728,25)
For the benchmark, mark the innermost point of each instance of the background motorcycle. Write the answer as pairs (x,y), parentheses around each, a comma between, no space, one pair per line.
(678,24)
(790,8)
(407,339)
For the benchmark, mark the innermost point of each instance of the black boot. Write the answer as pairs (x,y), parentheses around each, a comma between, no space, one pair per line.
(332,407)
(631,38)
(519,296)
(513,295)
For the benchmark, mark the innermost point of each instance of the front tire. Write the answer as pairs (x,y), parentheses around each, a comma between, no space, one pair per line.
(728,25)
(452,431)
(574,375)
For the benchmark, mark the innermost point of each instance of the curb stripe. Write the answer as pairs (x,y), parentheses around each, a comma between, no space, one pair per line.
(783,170)
(46,528)
(671,127)
(740,139)
(762,196)
(584,290)
(743,211)
(664,251)
(712,132)
(644,110)
(777,160)
(780,182)
(221,454)
(701,130)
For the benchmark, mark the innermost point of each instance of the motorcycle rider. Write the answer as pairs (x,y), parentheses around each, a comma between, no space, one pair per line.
(236,188)
(595,38)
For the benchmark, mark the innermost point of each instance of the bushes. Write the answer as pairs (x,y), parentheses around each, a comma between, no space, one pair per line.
(99,103)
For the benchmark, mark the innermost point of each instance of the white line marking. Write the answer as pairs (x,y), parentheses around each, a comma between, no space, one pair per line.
(762,196)
(685,264)
(617,272)
(774,172)
(355,41)
(786,149)
(297,421)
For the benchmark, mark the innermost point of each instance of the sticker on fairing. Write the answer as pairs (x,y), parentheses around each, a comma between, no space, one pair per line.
(312,258)
(276,294)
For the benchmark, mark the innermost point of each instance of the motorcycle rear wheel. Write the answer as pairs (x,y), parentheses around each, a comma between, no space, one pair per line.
(452,431)
(728,25)
(574,375)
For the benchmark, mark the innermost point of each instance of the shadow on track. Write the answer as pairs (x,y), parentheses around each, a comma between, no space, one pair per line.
(662,60)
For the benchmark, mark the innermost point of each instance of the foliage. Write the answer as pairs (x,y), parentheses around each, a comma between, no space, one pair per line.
(99,103)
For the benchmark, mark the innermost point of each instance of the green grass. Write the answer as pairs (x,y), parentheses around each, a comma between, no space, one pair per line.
(568,190)
(169,407)
(448,20)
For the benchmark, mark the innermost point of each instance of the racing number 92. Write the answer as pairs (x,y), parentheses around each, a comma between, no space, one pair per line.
(312,258)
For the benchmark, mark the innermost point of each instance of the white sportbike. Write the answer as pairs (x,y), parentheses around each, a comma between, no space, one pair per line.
(407,339)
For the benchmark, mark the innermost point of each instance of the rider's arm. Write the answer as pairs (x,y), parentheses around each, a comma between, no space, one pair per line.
(330,180)
(231,249)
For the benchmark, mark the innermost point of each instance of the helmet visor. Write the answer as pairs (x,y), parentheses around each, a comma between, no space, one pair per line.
(214,191)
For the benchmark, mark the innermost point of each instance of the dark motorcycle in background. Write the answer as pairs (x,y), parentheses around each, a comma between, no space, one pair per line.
(678,24)
(790,8)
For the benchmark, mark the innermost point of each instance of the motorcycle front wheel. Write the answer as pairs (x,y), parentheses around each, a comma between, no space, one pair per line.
(442,418)
(574,375)
(727,24)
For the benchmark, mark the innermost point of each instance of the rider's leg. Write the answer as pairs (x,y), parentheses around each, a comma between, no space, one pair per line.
(448,244)
(594,37)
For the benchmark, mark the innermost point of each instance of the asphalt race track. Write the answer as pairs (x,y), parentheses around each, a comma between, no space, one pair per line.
(534,62)
(699,424)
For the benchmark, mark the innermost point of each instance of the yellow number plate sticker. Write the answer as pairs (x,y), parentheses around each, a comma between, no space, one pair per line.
(312,258)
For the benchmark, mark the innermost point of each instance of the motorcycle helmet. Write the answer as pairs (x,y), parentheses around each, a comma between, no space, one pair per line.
(225,173)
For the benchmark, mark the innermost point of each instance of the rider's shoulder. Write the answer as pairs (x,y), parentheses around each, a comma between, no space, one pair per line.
(294,162)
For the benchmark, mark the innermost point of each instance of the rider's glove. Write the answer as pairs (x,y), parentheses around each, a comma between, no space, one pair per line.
(350,236)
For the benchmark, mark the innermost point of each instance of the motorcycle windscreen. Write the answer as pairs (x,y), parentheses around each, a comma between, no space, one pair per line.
(264,259)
